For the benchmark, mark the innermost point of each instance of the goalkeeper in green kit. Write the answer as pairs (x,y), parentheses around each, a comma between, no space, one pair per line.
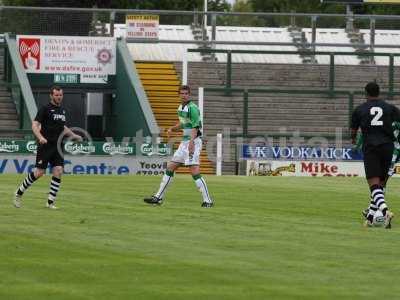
(396,151)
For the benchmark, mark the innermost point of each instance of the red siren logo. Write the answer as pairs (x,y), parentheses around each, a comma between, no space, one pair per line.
(104,56)
(29,50)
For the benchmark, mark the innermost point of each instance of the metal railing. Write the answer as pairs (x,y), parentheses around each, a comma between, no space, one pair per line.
(331,84)
(56,20)
(246,100)
(245,113)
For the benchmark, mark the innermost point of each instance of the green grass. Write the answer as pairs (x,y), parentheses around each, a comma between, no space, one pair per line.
(266,238)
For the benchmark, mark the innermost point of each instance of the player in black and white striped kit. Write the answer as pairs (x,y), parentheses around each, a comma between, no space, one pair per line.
(375,118)
(48,127)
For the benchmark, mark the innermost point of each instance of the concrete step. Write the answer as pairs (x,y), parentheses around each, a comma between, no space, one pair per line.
(8,124)
(290,128)
(221,123)
(7,105)
(4,95)
(277,98)
(342,116)
(265,107)
(316,134)
(232,129)
(294,105)
(283,117)
(301,107)
(307,119)
(8,115)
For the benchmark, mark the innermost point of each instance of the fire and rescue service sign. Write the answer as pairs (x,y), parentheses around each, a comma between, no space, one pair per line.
(67,54)
(142,26)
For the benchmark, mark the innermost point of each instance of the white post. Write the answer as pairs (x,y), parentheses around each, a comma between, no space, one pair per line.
(185,68)
(201,105)
(219,154)
(205,16)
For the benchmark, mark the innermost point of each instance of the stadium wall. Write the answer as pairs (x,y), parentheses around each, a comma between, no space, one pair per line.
(131,111)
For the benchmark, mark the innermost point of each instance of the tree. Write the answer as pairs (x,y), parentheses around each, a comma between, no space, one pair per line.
(19,2)
(215,5)
(303,6)
(241,6)
(182,5)
(315,6)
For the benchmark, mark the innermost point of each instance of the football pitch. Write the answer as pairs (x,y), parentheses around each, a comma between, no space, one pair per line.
(266,238)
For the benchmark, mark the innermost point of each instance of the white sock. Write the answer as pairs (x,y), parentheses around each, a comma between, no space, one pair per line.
(202,186)
(165,181)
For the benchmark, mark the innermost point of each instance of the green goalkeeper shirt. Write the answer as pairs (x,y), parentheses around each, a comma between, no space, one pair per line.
(189,118)
(396,133)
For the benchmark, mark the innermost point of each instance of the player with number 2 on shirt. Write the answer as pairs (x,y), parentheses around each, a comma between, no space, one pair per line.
(375,118)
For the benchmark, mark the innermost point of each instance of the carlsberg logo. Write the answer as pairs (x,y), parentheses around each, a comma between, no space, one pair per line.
(31,146)
(163,150)
(148,149)
(73,148)
(112,149)
(9,147)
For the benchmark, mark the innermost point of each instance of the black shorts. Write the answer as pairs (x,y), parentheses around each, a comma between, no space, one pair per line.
(48,153)
(377,160)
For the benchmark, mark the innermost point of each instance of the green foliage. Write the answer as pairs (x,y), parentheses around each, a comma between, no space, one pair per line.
(215,5)
(275,6)
(181,5)
(243,6)
(19,2)
(300,6)
(315,6)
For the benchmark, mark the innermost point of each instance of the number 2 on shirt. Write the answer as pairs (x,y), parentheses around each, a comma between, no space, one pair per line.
(377,112)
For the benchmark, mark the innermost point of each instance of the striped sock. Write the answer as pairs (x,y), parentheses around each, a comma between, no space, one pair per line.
(26,183)
(202,186)
(371,209)
(54,187)
(379,198)
(165,181)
